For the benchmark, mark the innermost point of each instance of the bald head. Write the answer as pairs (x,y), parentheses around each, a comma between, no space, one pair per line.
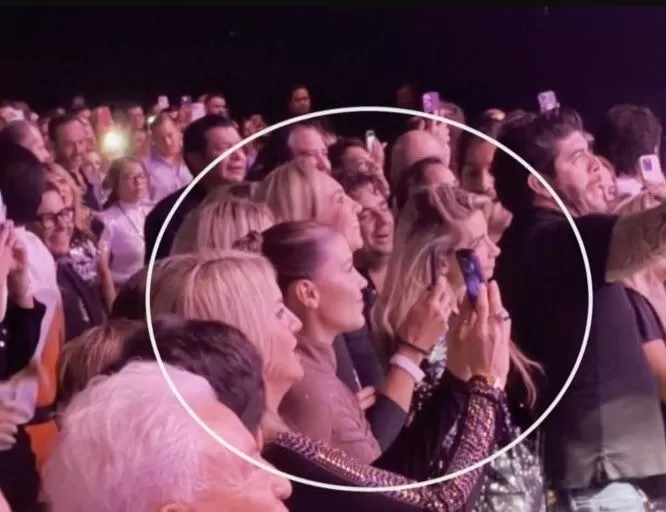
(26,134)
(413,146)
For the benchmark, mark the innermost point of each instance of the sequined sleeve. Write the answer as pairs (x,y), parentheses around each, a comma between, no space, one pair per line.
(474,444)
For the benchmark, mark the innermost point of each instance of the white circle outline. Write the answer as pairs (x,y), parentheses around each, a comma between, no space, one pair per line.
(346,488)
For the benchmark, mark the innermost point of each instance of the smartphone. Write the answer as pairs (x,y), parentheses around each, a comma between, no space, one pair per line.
(431,102)
(163,102)
(370,139)
(14,114)
(471,272)
(547,101)
(651,169)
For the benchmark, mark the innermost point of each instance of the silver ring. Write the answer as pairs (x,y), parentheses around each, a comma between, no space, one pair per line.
(502,316)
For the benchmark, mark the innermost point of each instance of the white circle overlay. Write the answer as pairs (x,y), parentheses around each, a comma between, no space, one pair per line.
(347,488)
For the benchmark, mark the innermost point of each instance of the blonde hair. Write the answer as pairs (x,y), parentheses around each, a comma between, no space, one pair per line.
(227,286)
(114,176)
(429,227)
(83,215)
(221,221)
(292,192)
(645,282)
(86,356)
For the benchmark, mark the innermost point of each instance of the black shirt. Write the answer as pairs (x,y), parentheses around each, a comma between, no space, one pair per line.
(608,425)
(158,216)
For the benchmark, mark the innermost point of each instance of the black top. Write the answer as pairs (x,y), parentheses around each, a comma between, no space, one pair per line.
(19,337)
(82,303)
(608,425)
(158,216)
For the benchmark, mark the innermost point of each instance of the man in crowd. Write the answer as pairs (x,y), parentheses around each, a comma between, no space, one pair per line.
(203,141)
(627,133)
(136,117)
(305,142)
(155,458)
(68,137)
(216,103)
(299,101)
(606,435)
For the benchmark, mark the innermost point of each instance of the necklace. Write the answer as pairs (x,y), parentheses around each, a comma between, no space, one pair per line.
(129,219)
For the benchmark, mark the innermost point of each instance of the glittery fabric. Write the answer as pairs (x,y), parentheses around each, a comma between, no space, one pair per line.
(83,257)
(475,443)
(514,480)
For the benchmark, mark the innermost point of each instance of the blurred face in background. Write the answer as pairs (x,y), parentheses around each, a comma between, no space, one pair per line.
(71,145)
(54,224)
(139,145)
(34,142)
(132,183)
(299,103)
(475,174)
(307,145)
(137,118)
(216,105)
(167,139)
(405,97)
(92,164)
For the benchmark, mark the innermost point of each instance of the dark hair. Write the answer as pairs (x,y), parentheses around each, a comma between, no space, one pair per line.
(77,110)
(57,122)
(627,133)
(194,137)
(337,150)
(351,181)
(132,104)
(213,350)
(487,125)
(15,132)
(296,87)
(411,178)
(130,301)
(534,138)
(216,94)
(295,249)
(22,182)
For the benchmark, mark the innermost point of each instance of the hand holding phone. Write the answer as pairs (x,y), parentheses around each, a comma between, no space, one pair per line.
(370,139)
(431,102)
(650,168)
(163,102)
(547,101)
(472,273)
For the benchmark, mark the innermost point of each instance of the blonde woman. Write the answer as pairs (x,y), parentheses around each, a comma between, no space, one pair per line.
(220,221)
(125,216)
(88,254)
(240,289)
(86,356)
(436,222)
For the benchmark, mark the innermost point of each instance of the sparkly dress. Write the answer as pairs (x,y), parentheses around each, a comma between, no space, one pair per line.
(301,456)
(513,480)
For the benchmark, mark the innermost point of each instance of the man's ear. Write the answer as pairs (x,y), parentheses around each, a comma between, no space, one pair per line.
(537,187)
(305,293)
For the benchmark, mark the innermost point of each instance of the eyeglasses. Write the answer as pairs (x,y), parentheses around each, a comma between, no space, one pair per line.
(49,220)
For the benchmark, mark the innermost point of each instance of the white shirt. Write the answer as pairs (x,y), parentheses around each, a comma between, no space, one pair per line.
(165,178)
(124,223)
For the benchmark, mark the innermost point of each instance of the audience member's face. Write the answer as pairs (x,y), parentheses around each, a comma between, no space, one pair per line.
(55,223)
(167,139)
(285,368)
(133,183)
(578,176)
(216,105)
(300,102)
(64,187)
(341,212)
(137,118)
(355,157)
(475,236)
(35,143)
(308,145)
(376,219)
(609,186)
(340,289)
(139,141)
(93,161)
(71,145)
(258,490)
(475,175)
(85,114)
(234,166)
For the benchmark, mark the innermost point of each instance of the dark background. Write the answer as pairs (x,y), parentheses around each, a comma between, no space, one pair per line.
(479,57)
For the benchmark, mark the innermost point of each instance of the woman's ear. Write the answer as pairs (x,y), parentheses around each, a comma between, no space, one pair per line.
(305,293)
